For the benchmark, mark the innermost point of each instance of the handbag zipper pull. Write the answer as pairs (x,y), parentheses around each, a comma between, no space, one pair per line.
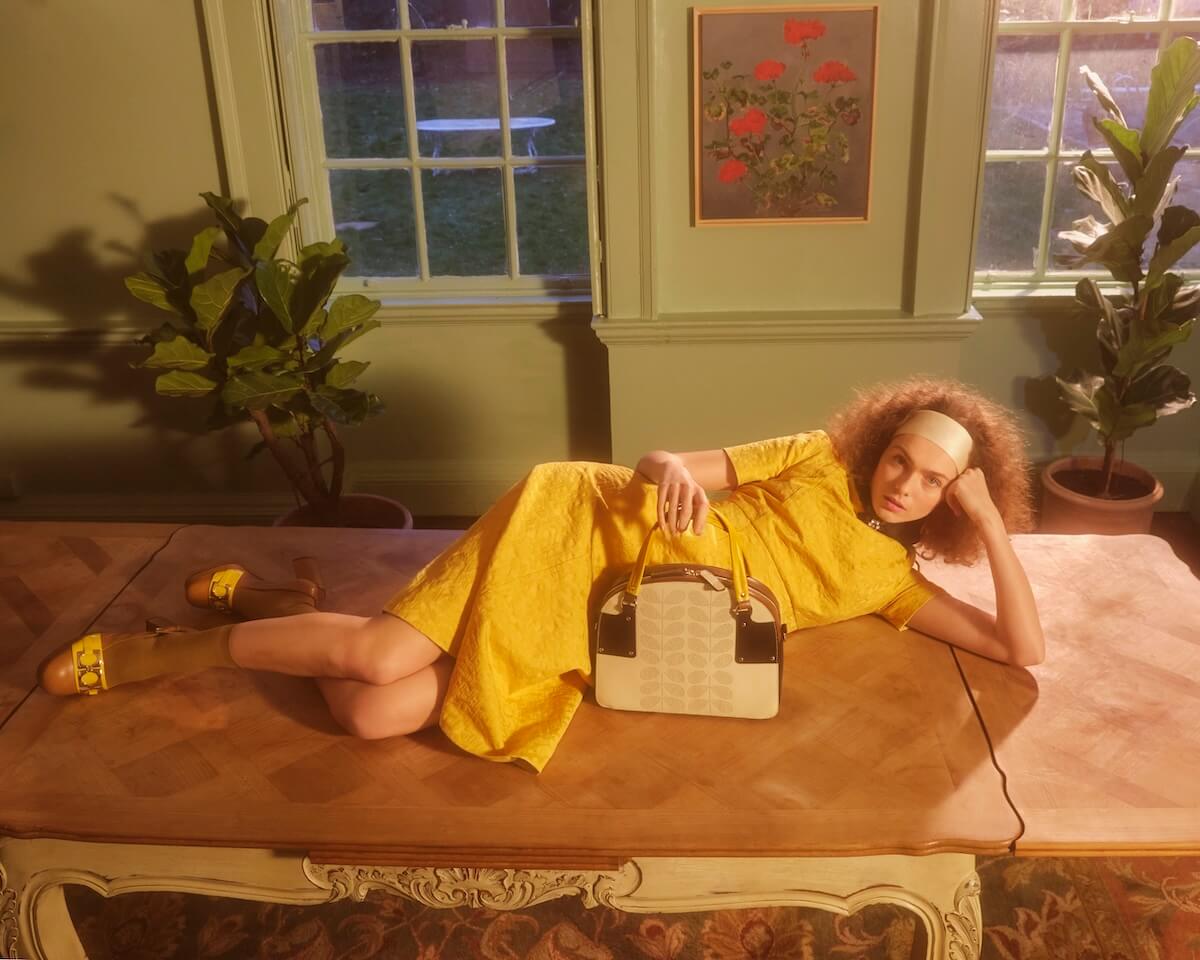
(708,577)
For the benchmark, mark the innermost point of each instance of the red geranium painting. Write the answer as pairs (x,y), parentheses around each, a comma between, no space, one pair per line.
(784,105)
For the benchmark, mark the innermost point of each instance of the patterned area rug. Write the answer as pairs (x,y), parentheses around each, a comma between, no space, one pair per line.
(1033,909)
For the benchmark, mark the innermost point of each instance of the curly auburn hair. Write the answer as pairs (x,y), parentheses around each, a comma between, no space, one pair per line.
(862,430)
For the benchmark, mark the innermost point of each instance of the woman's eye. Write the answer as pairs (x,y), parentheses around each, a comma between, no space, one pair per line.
(935,482)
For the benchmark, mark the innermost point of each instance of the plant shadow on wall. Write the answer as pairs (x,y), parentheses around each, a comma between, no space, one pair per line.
(82,284)
(91,355)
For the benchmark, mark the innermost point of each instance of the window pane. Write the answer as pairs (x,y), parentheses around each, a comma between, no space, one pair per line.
(373,217)
(464,222)
(355,14)
(1022,92)
(1071,205)
(1114,9)
(1184,9)
(361,87)
(436,14)
(545,90)
(457,94)
(552,220)
(541,13)
(1123,62)
(1029,9)
(1188,195)
(1012,215)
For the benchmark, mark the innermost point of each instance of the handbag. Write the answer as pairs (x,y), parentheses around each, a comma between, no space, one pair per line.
(689,638)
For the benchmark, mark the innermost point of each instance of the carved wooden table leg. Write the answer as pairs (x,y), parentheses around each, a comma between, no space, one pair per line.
(35,924)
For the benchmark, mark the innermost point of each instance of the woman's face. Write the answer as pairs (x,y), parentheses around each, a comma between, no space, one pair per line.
(910,479)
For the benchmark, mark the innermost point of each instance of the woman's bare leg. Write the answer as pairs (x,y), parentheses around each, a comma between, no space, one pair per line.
(407,705)
(372,650)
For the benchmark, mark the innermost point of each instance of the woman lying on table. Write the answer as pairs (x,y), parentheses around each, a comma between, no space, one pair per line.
(490,639)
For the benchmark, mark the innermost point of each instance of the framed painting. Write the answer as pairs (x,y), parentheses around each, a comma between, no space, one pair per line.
(783,114)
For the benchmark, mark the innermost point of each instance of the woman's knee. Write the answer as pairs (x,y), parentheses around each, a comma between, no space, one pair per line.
(385,649)
(362,718)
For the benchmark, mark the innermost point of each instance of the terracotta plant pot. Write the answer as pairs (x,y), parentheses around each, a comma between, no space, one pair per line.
(1066,511)
(360,510)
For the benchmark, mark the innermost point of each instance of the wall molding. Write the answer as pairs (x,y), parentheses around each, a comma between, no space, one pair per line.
(749,327)
(448,488)
(393,314)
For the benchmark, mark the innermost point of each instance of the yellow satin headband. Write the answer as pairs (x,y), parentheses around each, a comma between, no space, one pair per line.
(945,431)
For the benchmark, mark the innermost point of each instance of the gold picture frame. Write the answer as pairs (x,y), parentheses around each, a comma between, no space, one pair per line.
(783,113)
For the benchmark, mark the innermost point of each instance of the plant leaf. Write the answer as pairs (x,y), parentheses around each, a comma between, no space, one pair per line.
(1125,145)
(350,407)
(346,312)
(183,383)
(1093,179)
(211,298)
(255,390)
(345,372)
(197,258)
(146,288)
(1165,257)
(1141,353)
(1120,249)
(315,285)
(177,354)
(255,356)
(1101,91)
(266,247)
(1172,93)
(1176,221)
(1165,390)
(1153,183)
(322,248)
(275,283)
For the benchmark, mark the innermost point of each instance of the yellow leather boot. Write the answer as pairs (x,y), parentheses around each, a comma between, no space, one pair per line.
(231,588)
(100,661)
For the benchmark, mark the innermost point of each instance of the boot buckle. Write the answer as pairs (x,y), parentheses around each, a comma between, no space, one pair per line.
(88,657)
(220,589)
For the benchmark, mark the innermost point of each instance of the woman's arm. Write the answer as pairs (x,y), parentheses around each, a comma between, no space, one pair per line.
(1014,635)
(712,469)
(682,480)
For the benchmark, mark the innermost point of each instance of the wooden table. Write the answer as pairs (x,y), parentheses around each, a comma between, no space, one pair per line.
(876,783)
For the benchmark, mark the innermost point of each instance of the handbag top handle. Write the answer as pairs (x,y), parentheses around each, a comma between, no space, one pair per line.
(737,563)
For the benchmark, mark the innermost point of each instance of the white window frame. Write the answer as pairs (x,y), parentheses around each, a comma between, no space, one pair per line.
(1045,279)
(262,61)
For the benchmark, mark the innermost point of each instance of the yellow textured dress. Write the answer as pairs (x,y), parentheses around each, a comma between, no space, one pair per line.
(510,599)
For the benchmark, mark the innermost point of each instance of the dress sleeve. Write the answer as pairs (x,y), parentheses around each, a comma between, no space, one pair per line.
(913,593)
(764,459)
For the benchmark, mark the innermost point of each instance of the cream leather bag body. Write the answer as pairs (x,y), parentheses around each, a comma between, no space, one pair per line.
(689,638)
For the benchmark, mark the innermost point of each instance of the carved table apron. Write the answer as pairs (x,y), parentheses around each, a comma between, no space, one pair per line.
(874,784)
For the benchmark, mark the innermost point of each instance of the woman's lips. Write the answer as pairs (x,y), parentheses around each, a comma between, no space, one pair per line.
(891,504)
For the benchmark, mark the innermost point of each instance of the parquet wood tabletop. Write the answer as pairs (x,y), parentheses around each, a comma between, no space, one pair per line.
(1101,743)
(877,748)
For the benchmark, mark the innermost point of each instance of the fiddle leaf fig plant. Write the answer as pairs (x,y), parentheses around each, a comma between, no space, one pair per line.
(1136,329)
(258,333)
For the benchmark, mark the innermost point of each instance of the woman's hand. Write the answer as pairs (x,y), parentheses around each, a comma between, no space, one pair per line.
(968,494)
(682,502)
